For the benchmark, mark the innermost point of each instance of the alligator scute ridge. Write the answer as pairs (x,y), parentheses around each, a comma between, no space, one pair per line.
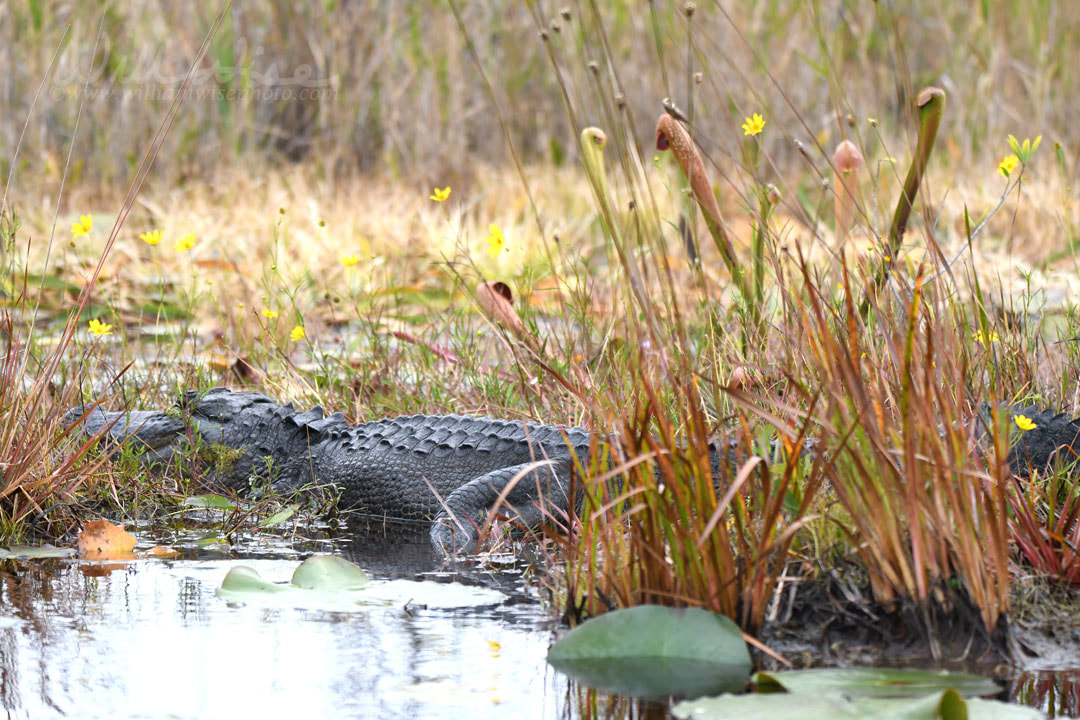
(383,468)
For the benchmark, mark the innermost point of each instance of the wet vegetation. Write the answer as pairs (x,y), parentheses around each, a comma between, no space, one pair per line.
(809,229)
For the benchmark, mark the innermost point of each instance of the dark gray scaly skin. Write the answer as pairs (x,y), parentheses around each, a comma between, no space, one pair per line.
(383,468)
(1055,439)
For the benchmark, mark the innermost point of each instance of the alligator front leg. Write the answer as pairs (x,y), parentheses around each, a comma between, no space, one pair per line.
(532,490)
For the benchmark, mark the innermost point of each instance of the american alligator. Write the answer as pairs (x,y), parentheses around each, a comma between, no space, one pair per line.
(447,469)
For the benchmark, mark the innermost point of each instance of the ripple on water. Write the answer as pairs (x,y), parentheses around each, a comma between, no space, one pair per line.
(151,639)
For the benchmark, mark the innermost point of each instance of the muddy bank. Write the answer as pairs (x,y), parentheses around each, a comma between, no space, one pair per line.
(834,621)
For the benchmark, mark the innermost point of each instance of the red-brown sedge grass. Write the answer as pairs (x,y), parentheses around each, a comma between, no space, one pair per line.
(924,509)
(673,533)
(1044,522)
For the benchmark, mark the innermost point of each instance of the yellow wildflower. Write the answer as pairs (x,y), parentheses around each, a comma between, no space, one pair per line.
(297,333)
(1008,164)
(99,328)
(440,195)
(496,241)
(185,243)
(1024,422)
(268,313)
(984,339)
(349,260)
(151,238)
(83,227)
(753,125)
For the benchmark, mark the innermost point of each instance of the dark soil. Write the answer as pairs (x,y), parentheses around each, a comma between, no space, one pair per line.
(834,621)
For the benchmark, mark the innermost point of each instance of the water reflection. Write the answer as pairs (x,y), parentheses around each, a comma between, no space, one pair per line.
(1055,693)
(152,640)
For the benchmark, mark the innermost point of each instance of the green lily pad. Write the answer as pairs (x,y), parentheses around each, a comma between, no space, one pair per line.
(242,581)
(34,553)
(981,709)
(210,501)
(655,651)
(331,583)
(942,705)
(874,682)
(329,573)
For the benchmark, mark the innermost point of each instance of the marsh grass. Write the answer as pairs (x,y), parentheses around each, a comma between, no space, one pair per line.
(853,364)
(883,373)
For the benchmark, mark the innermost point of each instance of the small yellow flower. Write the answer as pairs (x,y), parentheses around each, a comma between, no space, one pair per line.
(1024,422)
(185,243)
(349,260)
(151,238)
(83,227)
(297,333)
(753,125)
(1008,164)
(496,241)
(99,328)
(984,339)
(268,313)
(440,195)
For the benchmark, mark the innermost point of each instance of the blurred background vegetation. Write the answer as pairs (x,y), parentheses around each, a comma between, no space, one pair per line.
(389,87)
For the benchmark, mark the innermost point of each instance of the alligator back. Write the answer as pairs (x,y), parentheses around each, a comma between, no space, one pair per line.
(384,467)
(396,468)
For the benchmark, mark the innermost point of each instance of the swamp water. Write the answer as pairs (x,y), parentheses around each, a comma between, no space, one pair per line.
(152,639)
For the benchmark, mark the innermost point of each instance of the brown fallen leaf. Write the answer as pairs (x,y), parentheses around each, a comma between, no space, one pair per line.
(101,540)
(162,551)
(496,300)
(245,371)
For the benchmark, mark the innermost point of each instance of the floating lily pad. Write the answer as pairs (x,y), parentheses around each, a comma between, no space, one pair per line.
(329,573)
(331,583)
(242,582)
(942,705)
(874,682)
(654,651)
(35,553)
